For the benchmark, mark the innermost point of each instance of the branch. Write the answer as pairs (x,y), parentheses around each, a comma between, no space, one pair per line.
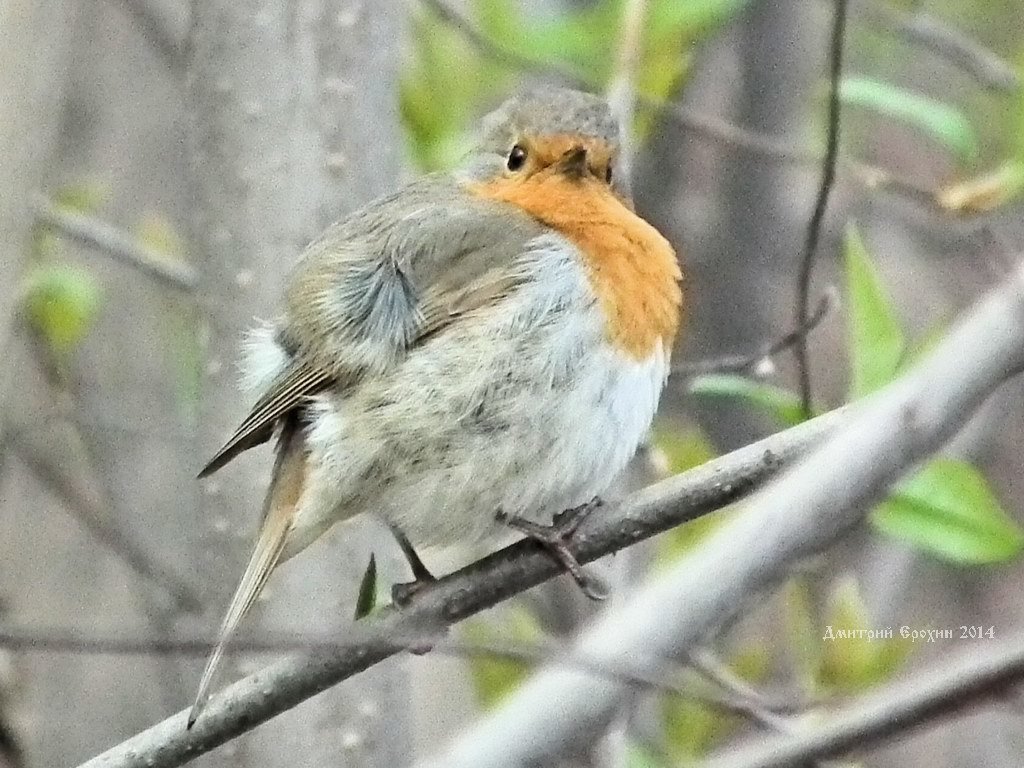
(949,43)
(802,514)
(952,685)
(621,90)
(469,591)
(114,242)
(761,362)
(828,178)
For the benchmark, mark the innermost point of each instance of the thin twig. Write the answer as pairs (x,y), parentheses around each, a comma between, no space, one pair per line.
(947,42)
(669,679)
(757,361)
(115,242)
(982,673)
(828,177)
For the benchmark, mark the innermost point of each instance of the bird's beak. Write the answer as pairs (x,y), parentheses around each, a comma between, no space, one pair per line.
(574,163)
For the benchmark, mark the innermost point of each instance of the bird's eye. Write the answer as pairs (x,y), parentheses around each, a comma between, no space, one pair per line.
(608,174)
(516,158)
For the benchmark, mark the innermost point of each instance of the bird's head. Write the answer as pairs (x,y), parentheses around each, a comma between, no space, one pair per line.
(549,131)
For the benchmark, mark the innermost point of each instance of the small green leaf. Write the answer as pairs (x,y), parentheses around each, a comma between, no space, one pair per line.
(876,338)
(366,600)
(942,122)
(61,303)
(857,656)
(781,404)
(948,510)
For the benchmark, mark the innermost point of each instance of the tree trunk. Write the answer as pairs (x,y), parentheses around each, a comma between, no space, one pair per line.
(293,122)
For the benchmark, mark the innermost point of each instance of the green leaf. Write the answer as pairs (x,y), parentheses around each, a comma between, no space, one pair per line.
(853,660)
(944,123)
(61,303)
(366,600)
(876,338)
(781,404)
(948,510)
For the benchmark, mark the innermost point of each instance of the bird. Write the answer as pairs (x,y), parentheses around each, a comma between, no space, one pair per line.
(483,348)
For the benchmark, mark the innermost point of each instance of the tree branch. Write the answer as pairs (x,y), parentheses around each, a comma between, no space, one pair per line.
(802,514)
(944,41)
(474,588)
(114,242)
(621,91)
(983,672)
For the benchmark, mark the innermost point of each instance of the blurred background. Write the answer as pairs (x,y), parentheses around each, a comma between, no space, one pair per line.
(161,168)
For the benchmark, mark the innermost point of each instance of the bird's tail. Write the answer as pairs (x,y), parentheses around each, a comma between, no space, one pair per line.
(278,518)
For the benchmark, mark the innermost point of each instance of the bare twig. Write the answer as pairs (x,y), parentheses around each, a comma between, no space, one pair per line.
(803,513)
(758,360)
(947,42)
(465,593)
(983,672)
(622,87)
(828,177)
(114,242)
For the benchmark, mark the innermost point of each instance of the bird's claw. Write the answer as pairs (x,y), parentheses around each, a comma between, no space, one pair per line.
(555,537)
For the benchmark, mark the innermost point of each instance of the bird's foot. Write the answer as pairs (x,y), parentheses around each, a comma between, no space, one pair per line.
(401,594)
(555,538)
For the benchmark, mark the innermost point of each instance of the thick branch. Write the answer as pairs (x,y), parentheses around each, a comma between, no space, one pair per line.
(984,671)
(465,593)
(802,514)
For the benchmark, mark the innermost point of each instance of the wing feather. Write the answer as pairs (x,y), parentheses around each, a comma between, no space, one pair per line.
(298,382)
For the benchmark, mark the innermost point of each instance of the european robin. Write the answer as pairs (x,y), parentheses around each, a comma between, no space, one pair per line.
(481,347)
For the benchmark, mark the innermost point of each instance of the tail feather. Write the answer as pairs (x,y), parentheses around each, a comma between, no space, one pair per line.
(279,516)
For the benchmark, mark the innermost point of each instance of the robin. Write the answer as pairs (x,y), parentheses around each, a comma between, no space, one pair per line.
(483,348)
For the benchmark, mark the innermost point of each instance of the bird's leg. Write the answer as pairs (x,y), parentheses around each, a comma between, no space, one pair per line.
(554,538)
(401,594)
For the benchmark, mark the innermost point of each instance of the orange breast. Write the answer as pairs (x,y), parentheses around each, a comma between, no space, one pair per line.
(632,268)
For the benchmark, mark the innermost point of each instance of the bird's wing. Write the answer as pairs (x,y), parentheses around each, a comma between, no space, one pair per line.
(377,284)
